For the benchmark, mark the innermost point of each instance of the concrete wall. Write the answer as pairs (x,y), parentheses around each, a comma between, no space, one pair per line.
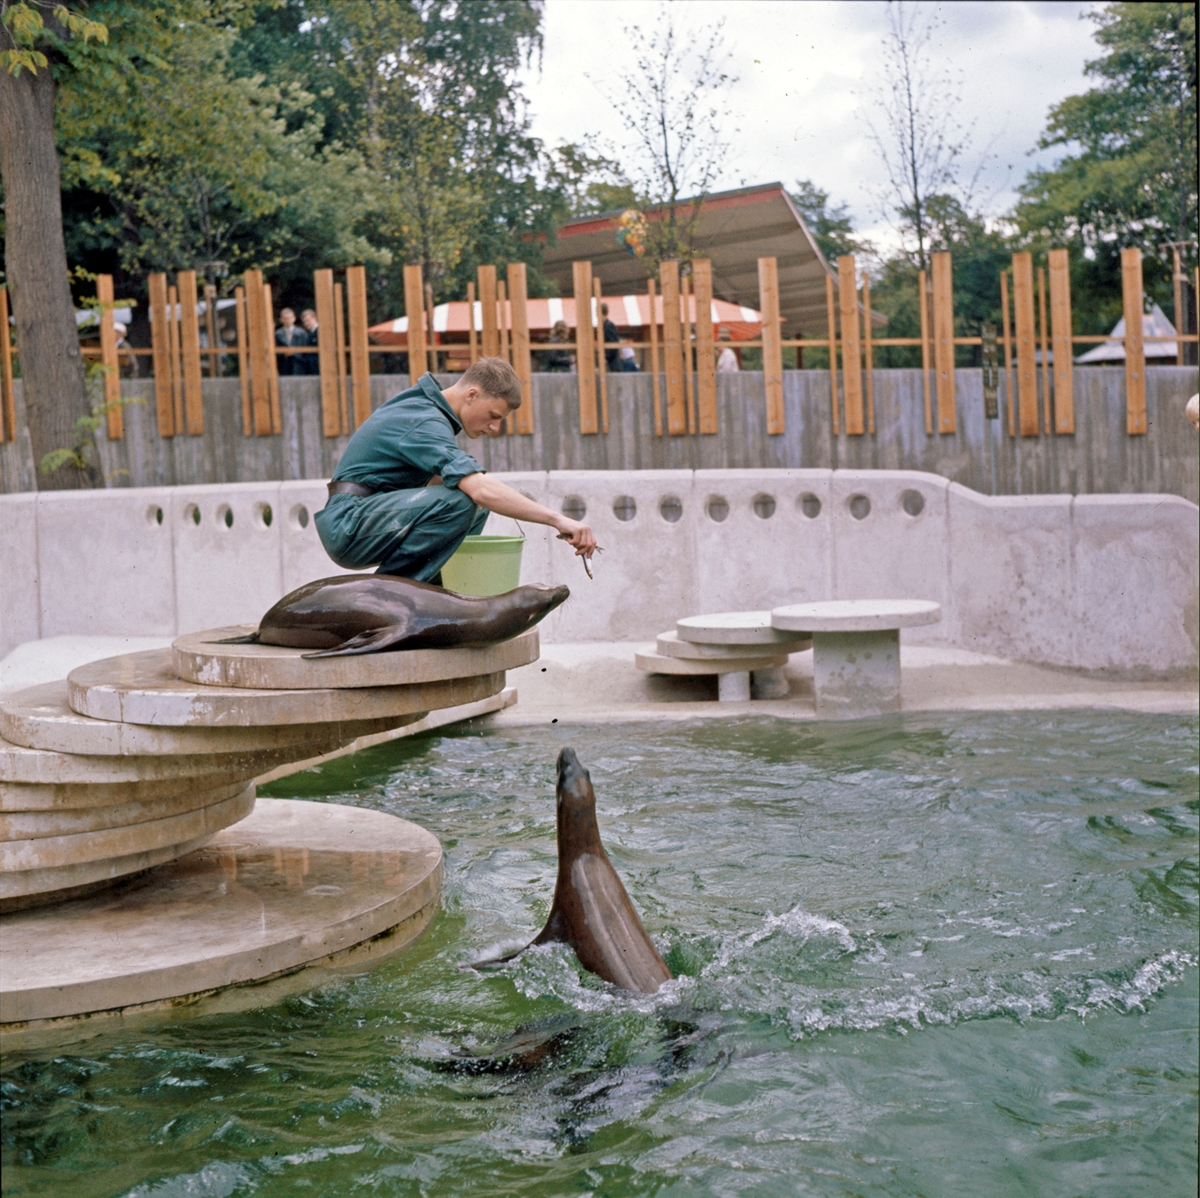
(1099,458)
(1092,582)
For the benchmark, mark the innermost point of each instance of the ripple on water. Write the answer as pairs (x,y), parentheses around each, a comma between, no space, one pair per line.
(912,958)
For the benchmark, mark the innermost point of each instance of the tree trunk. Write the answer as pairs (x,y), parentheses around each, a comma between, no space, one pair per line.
(36,265)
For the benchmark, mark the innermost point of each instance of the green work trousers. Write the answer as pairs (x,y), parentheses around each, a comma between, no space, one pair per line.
(410,533)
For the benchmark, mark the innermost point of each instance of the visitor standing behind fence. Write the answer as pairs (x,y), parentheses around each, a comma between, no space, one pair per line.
(557,361)
(310,363)
(289,333)
(612,357)
(727,360)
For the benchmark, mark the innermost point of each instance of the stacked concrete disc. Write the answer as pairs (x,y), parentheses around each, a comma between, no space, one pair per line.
(135,760)
(741,648)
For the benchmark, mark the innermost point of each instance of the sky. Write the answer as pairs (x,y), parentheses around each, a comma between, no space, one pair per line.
(805,72)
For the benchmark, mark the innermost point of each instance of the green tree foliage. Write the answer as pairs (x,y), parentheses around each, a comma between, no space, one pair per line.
(1130,176)
(831,227)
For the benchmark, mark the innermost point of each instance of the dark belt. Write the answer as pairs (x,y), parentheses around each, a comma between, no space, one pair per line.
(345,488)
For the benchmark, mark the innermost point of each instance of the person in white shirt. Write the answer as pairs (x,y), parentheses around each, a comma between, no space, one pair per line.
(727,360)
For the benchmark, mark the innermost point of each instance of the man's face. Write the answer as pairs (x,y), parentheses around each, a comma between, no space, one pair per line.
(309,321)
(287,318)
(483,414)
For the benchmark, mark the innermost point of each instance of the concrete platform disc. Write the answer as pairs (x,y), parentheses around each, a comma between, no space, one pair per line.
(141,688)
(271,667)
(670,645)
(37,854)
(733,628)
(41,718)
(291,886)
(657,663)
(67,821)
(856,615)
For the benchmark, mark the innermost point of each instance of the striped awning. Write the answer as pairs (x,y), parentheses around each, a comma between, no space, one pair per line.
(630,313)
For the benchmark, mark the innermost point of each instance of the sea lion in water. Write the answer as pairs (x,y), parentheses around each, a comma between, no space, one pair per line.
(368,613)
(592,912)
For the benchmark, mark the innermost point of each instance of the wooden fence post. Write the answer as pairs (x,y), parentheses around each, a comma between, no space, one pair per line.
(429,323)
(656,391)
(160,340)
(1008,356)
(243,353)
(175,352)
(772,351)
(518,297)
(943,339)
(601,354)
(259,352)
(1045,349)
(1135,353)
(869,352)
(923,296)
(706,360)
(851,346)
(414,305)
(668,273)
(360,358)
(472,342)
(585,351)
(8,411)
(189,335)
(331,416)
(272,359)
(339,342)
(831,320)
(114,416)
(1060,339)
(687,341)
(210,329)
(502,325)
(1027,403)
(489,340)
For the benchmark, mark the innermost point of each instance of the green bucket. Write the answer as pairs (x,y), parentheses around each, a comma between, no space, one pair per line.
(484,566)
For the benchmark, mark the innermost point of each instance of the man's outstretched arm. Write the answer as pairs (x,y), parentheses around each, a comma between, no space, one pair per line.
(492,494)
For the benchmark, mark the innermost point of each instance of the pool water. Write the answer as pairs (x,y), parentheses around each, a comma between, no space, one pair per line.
(913,957)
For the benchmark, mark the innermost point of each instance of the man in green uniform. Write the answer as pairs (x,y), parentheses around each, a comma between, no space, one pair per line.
(404,494)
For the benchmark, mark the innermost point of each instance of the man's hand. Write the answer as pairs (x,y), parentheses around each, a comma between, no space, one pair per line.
(579,536)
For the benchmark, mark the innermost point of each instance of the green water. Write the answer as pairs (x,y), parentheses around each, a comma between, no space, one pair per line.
(913,958)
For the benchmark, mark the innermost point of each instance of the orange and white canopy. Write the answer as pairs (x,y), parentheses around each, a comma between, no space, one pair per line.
(630,313)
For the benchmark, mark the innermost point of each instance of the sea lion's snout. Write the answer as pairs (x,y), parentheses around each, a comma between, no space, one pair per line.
(570,770)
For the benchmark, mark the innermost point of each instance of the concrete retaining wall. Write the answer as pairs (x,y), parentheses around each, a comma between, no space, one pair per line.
(1093,582)
(1099,458)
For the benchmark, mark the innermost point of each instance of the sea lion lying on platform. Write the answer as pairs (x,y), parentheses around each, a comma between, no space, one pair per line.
(592,911)
(370,613)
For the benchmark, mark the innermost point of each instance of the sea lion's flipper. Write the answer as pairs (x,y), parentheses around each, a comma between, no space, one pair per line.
(556,930)
(252,639)
(374,640)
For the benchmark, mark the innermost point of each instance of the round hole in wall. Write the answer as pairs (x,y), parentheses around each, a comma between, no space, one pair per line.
(860,507)
(192,513)
(154,514)
(810,505)
(764,506)
(625,507)
(671,509)
(300,516)
(574,508)
(913,502)
(718,508)
(265,514)
(225,515)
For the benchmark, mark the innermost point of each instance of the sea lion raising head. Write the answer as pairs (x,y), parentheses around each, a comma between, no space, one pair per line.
(592,911)
(369,613)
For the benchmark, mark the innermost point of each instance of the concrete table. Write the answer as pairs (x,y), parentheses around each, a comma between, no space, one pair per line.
(856,650)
